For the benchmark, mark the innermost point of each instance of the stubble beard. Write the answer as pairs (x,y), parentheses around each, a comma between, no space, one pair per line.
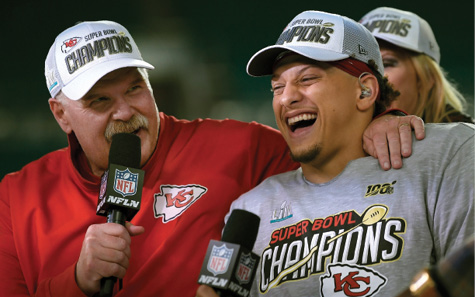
(306,156)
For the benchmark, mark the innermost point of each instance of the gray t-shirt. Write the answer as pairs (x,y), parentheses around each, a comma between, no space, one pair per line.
(367,232)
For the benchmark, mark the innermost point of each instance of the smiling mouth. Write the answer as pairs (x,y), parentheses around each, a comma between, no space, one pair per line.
(301,121)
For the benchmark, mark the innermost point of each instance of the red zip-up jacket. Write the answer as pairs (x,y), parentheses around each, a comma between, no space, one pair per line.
(198,168)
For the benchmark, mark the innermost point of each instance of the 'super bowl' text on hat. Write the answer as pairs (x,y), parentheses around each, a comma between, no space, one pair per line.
(404,29)
(319,36)
(84,53)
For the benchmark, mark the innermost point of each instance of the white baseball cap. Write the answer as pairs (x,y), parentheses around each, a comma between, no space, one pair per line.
(84,53)
(404,29)
(319,36)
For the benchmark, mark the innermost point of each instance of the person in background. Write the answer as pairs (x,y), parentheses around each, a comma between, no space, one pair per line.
(53,243)
(411,58)
(340,225)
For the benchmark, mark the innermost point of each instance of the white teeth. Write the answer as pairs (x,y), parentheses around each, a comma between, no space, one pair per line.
(301,117)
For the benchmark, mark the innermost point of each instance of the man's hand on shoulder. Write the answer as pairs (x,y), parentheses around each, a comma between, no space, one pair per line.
(389,138)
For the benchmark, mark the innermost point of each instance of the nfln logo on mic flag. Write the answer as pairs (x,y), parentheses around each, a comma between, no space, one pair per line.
(245,268)
(120,187)
(219,259)
(125,182)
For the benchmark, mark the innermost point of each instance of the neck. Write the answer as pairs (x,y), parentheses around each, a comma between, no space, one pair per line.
(325,167)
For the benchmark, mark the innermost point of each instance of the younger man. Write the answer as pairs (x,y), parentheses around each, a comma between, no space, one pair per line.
(339,225)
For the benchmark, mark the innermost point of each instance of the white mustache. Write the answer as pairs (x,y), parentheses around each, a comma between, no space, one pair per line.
(136,122)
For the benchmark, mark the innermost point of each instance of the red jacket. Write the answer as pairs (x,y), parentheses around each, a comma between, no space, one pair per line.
(198,168)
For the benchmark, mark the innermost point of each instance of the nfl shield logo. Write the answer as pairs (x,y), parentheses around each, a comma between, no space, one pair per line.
(125,182)
(219,259)
(245,268)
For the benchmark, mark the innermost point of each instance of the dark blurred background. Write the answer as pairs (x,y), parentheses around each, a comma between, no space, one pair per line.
(199,50)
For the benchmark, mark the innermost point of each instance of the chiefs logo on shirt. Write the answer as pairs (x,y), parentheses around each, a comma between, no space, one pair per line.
(351,280)
(173,200)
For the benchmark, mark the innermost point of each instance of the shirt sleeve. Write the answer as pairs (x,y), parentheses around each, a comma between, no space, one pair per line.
(454,213)
(13,282)
(61,285)
(273,155)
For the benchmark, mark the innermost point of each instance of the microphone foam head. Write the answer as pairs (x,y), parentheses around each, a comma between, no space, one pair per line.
(125,150)
(241,228)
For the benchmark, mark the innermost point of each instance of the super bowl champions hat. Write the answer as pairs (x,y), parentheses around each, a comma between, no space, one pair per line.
(404,29)
(322,37)
(84,53)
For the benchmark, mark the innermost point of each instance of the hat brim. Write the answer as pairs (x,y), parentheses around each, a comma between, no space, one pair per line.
(262,62)
(398,43)
(81,84)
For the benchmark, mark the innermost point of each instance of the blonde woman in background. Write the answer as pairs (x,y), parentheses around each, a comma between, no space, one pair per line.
(411,58)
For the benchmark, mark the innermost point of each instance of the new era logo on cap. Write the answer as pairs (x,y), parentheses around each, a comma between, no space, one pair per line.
(320,36)
(402,28)
(84,53)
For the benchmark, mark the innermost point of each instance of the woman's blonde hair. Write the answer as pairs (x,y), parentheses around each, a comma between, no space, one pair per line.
(438,98)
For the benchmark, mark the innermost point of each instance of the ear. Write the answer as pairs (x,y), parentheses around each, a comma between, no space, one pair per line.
(59,113)
(368,83)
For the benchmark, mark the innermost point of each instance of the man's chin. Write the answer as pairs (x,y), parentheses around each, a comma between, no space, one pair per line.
(306,156)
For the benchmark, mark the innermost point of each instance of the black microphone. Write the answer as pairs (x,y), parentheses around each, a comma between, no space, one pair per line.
(453,276)
(230,265)
(121,188)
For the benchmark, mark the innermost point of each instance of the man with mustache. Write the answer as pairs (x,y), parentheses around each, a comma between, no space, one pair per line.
(53,243)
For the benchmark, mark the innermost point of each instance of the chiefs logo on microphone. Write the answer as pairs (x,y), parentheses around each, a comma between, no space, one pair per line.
(172,201)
